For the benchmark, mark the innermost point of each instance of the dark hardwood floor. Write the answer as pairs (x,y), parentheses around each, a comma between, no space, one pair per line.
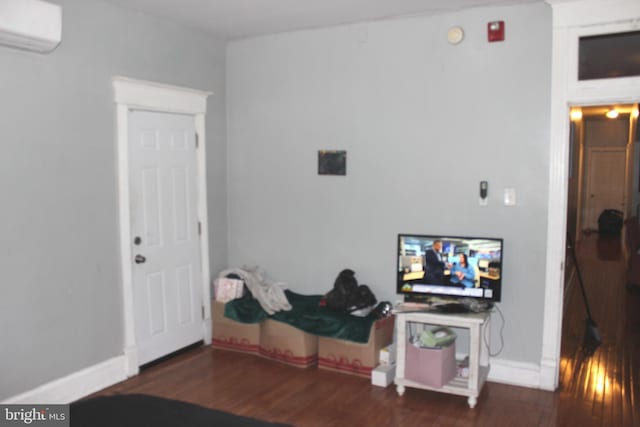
(604,387)
(601,390)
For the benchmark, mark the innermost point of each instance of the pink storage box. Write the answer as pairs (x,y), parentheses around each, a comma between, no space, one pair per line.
(433,367)
(226,289)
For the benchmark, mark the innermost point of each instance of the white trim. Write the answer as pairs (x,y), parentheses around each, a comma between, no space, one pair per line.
(570,20)
(515,373)
(76,385)
(584,13)
(599,90)
(202,212)
(549,370)
(140,94)
(130,94)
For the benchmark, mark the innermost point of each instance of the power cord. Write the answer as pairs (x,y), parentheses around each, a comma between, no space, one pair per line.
(486,340)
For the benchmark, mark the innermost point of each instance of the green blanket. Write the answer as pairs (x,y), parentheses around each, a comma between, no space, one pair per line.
(307,315)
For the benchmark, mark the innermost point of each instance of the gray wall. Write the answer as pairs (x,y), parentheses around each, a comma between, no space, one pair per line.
(423,123)
(60,298)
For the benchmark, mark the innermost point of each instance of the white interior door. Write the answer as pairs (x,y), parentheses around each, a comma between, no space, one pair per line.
(167,292)
(605,187)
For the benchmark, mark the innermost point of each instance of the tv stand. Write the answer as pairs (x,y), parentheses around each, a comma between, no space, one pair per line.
(478,353)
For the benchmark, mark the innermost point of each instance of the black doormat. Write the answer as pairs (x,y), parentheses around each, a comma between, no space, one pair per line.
(141,410)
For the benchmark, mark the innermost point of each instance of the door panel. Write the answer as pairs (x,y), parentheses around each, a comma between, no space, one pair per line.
(180,183)
(151,221)
(156,306)
(166,264)
(185,288)
(605,188)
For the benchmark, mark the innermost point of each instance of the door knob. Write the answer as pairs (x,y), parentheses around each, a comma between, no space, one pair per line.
(139,259)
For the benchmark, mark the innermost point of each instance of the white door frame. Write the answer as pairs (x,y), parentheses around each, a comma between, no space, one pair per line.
(130,94)
(572,19)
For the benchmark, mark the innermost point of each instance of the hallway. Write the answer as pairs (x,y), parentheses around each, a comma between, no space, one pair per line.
(603,389)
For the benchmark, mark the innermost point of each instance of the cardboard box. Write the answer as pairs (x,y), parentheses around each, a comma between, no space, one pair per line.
(383,375)
(356,358)
(284,343)
(433,367)
(231,335)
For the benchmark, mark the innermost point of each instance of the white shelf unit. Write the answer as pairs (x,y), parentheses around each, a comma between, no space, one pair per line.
(478,352)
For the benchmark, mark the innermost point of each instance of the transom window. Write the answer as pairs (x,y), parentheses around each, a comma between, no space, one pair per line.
(609,56)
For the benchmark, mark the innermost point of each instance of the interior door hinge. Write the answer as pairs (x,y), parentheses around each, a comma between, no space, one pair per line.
(197,140)
(202,311)
(199,228)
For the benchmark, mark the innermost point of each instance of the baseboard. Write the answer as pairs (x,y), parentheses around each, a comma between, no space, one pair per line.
(76,385)
(97,377)
(515,373)
(549,374)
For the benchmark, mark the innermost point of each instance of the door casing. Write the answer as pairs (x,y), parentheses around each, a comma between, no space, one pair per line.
(131,94)
(572,20)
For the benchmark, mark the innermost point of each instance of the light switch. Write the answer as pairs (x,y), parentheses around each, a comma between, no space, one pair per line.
(509,196)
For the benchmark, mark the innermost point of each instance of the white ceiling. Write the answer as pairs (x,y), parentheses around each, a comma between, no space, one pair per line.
(232,19)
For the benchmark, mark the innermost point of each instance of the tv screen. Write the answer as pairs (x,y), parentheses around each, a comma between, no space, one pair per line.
(447,266)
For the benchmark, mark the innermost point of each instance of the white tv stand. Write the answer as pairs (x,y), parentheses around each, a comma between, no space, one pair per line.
(478,353)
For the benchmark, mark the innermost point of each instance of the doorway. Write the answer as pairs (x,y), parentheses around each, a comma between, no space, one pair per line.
(162,291)
(603,165)
(164,225)
(571,22)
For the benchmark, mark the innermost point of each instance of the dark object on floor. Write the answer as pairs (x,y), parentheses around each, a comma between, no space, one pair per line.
(592,339)
(138,410)
(610,222)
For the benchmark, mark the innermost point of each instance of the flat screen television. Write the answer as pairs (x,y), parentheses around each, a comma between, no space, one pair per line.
(449,266)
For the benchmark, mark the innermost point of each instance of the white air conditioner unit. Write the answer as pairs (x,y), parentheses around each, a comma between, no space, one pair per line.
(30,24)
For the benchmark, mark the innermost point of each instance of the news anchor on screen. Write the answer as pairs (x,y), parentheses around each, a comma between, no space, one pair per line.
(434,266)
(462,273)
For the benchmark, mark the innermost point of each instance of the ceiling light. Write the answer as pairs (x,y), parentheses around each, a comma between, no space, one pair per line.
(576,114)
(612,114)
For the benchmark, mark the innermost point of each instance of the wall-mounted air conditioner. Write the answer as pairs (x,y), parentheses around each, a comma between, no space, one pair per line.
(30,24)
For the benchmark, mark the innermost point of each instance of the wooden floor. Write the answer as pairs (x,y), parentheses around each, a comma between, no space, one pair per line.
(601,390)
(604,388)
